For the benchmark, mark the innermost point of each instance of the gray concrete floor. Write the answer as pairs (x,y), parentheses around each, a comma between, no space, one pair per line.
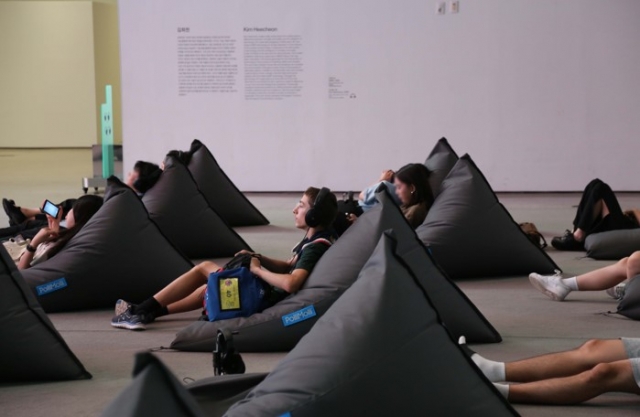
(530,323)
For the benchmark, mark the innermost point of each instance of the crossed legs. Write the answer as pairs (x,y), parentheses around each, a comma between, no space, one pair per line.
(574,376)
(571,377)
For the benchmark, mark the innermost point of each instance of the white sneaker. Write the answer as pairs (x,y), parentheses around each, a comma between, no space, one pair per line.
(617,291)
(550,285)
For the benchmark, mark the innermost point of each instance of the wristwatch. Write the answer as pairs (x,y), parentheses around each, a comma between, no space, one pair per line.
(30,248)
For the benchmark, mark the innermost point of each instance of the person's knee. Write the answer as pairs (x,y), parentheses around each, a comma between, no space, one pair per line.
(601,374)
(633,264)
(590,348)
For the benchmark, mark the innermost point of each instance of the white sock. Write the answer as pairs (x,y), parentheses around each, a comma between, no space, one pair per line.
(572,283)
(494,371)
(504,389)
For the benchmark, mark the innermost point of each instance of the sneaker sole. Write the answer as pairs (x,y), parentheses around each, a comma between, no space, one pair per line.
(538,285)
(128,326)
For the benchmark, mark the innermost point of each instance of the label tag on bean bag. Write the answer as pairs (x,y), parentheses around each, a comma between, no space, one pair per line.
(298,316)
(52,286)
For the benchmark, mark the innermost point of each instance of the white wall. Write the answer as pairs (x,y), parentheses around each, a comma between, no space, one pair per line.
(47,92)
(541,93)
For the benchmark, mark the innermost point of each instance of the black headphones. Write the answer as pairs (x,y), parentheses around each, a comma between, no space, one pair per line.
(319,211)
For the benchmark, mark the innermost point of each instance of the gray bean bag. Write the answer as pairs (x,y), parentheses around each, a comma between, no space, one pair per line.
(155,391)
(183,214)
(472,235)
(220,191)
(336,271)
(119,253)
(440,161)
(614,244)
(381,350)
(629,306)
(31,349)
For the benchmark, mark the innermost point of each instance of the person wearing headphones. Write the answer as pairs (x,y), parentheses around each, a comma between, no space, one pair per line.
(314,213)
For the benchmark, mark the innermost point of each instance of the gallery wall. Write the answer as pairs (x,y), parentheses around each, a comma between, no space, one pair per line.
(288,93)
(57,57)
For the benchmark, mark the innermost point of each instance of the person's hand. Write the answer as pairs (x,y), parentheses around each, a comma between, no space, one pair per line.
(54,223)
(351,217)
(386,175)
(255,264)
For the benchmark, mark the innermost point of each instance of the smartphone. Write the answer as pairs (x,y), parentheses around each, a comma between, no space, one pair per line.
(51,209)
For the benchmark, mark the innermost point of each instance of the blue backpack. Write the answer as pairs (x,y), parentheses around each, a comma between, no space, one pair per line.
(234,293)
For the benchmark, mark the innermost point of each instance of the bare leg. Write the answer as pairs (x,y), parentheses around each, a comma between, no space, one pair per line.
(603,278)
(189,303)
(30,213)
(186,284)
(567,363)
(604,377)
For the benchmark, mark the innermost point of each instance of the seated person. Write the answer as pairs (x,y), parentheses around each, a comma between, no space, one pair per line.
(571,377)
(609,278)
(186,292)
(598,211)
(51,239)
(28,221)
(410,188)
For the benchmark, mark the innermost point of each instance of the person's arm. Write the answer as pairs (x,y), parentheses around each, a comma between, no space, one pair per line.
(275,265)
(288,282)
(44,235)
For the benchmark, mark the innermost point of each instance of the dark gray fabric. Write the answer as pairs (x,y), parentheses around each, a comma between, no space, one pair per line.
(380,350)
(217,393)
(614,244)
(440,161)
(336,271)
(472,235)
(180,210)
(630,304)
(31,349)
(119,253)
(220,191)
(155,392)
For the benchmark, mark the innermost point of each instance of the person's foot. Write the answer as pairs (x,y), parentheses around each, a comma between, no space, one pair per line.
(130,321)
(567,242)
(550,285)
(14,213)
(617,291)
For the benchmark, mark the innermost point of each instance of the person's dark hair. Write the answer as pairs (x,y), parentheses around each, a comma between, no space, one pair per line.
(416,175)
(145,168)
(329,209)
(83,209)
(148,174)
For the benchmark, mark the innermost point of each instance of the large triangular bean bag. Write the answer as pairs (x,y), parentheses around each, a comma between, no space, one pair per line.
(439,162)
(183,214)
(472,235)
(381,350)
(280,327)
(119,253)
(155,391)
(31,349)
(614,244)
(220,191)
(629,306)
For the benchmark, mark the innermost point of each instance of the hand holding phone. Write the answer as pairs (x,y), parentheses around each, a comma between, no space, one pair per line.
(51,209)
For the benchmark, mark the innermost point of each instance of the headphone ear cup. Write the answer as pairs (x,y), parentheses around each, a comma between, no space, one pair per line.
(315,216)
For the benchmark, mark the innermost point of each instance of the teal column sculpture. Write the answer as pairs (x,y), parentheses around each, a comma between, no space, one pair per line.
(106,111)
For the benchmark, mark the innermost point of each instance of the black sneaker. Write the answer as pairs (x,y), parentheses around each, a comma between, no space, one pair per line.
(15,215)
(567,242)
(130,321)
